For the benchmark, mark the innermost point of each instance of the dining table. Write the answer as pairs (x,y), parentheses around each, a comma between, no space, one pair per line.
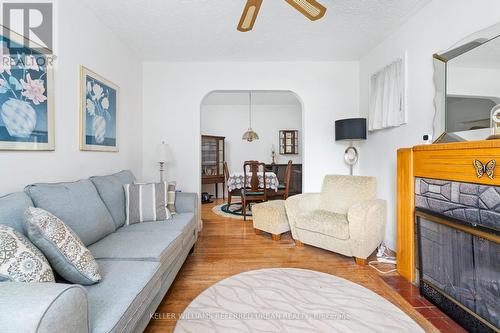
(236,180)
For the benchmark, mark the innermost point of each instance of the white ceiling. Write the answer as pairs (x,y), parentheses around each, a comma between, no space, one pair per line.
(258,98)
(205,30)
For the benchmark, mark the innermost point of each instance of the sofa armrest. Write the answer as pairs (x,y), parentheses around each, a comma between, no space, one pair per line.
(186,202)
(367,221)
(299,204)
(43,307)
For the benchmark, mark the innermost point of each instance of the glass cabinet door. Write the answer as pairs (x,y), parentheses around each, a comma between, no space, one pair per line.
(220,162)
(212,156)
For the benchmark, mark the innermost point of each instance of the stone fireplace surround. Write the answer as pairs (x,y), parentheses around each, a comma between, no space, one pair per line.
(472,203)
(458,267)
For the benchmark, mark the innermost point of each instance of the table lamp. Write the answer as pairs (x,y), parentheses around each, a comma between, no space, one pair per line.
(163,156)
(353,129)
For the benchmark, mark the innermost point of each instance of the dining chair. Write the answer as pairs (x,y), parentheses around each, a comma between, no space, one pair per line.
(284,188)
(251,192)
(229,193)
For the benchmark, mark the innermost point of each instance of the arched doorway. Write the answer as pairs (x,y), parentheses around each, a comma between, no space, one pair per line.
(227,113)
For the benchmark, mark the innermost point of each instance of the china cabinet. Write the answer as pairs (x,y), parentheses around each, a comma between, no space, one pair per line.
(212,161)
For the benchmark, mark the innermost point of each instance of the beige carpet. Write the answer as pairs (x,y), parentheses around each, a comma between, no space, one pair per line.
(292,300)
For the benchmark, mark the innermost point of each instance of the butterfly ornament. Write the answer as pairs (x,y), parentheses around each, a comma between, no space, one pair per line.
(488,168)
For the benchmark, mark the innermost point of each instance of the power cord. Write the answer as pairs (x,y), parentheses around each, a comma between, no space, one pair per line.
(383,256)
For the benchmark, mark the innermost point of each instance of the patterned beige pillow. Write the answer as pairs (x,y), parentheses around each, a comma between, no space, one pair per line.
(20,261)
(63,248)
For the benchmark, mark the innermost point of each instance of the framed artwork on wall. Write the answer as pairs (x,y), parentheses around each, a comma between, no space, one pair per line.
(289,142)
(26,94)
(98,112)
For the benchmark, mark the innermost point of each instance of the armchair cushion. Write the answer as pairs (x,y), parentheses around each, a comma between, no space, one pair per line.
(341,192)
(325,222)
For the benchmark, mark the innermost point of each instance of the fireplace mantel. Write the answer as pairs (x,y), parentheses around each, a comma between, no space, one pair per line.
(450,161)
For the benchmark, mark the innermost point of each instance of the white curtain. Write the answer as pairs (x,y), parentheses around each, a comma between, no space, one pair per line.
(387,97)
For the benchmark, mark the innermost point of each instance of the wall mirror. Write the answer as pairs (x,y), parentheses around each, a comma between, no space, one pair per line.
(467,81)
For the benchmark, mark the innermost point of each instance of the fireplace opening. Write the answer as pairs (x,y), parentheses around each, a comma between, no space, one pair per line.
(459,270)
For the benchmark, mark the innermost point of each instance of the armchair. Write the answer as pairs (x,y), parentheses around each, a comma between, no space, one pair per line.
(345,217)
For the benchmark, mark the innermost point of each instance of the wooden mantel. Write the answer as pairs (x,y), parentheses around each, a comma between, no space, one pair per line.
(449,161)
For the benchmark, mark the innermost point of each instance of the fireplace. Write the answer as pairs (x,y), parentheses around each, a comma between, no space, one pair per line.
(459,252)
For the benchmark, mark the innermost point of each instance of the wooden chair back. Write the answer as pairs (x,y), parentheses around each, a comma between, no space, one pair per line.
(288,177)
(226,171)
(254,167)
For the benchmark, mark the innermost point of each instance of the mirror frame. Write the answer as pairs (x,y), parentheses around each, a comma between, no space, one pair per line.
(441,60)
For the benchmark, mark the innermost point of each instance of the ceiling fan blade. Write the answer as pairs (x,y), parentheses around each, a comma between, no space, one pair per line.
(309,8)
(249,15)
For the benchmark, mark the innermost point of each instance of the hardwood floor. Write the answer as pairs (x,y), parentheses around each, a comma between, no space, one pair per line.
(228,246)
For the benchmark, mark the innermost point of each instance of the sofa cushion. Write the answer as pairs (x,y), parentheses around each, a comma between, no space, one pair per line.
(110,189)
(12,208)
(78,204)
(120,299)
(180,222)
(325,222)
(64,250)
(339,193)
(141,246)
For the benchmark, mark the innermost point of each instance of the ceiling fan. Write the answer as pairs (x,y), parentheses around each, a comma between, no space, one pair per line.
(309,8)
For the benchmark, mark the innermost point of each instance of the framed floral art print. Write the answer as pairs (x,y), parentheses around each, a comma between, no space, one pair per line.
(98,112)
(26,94)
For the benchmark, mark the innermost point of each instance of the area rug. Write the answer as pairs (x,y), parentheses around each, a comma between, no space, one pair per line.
(291,300)
(233,211)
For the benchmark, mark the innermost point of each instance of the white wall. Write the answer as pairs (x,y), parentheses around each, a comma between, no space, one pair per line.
(231,121)
(436,27)
(173,93)
(82,40)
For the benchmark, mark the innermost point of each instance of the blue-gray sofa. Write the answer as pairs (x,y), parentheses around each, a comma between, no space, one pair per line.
(138,263)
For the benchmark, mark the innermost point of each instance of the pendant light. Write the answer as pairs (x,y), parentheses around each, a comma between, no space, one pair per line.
(250,135)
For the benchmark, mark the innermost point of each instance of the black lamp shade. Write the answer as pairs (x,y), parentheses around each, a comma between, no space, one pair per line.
(350,129)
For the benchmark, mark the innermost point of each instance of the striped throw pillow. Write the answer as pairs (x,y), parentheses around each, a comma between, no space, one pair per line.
(171,198)
(146,202)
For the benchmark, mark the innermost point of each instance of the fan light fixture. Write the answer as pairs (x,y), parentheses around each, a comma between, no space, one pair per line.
(249,15)
(309,8)
(250,135)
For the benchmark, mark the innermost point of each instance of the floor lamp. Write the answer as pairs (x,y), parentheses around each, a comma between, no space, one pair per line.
(353,129)
(163,156)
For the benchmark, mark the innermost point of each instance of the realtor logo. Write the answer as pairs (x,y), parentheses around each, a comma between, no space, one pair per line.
(32,20)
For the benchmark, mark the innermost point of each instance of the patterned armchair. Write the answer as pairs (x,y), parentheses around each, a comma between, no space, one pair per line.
(345,217)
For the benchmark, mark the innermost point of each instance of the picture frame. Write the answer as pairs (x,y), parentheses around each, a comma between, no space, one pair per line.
(99,112)
(26,94)
(289,142)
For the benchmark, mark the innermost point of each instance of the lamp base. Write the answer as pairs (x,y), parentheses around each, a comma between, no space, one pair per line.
(351,157)
(162,169)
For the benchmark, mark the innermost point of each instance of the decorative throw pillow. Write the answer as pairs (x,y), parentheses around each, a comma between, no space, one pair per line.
(146,202)
(20,261)
(65,251)
(171,198)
